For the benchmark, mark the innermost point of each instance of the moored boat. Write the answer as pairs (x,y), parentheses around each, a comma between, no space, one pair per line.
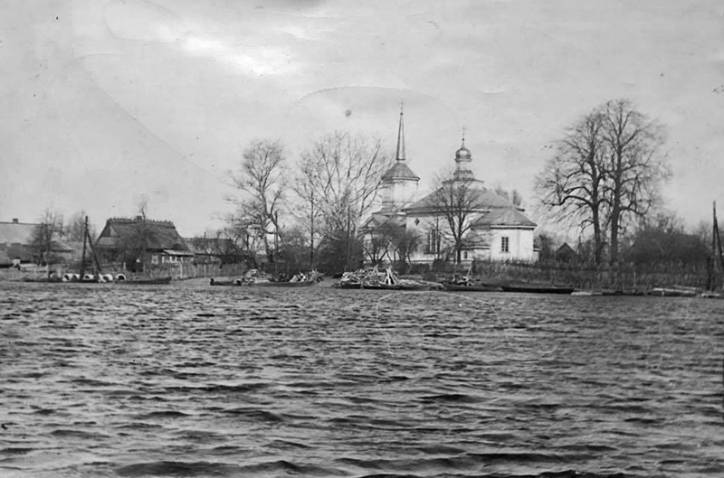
(229,282)
(271,283)
(146,280)
(537,289)
(472,287)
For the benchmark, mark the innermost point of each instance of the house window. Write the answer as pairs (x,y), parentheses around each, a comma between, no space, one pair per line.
(504,244)
(465,254)
(154,259)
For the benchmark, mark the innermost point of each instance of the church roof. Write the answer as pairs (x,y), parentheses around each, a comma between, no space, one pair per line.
(482,198)
(400,170)
(507,217)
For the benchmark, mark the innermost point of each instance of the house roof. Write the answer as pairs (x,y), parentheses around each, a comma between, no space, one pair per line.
(172,252)
(504,217)
(481,198)
(160,234)
(565,248)
(16,232)
(400,170)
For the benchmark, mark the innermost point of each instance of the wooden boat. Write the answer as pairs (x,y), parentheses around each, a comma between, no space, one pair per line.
(472,287)
(377,286)
(146,281)
(271,283)
(601,292)
(231,282)
(537,289)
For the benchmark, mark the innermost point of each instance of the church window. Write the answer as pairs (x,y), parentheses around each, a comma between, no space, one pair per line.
(433,241)
(504,244)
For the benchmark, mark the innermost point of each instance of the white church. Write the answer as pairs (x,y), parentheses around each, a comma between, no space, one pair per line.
(497,230)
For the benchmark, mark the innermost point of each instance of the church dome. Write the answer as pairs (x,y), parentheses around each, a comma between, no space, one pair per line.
(463,154)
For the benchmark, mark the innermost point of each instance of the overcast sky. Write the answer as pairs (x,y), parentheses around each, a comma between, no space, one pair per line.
(103,103)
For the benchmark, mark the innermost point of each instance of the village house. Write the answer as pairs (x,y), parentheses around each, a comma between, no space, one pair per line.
(218,249)
(498,229)
(140,242)
(16,244)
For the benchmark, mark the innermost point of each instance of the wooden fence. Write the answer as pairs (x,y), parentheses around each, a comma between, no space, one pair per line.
(625,277)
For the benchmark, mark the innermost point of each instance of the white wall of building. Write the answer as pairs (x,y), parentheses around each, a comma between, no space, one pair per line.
(520,244)
(396,194)
(520,241)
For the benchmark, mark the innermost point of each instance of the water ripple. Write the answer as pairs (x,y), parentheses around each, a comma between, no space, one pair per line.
(194,381)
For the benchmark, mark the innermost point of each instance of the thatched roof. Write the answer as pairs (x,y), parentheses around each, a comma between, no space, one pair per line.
(159,235)
(16,232)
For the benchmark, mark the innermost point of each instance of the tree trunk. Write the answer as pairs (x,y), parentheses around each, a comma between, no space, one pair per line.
(615,218)
(597,239)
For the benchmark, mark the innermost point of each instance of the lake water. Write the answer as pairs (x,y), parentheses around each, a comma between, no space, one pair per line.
(190,380)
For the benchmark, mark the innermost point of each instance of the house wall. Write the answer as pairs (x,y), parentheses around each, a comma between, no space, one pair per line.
(520,245)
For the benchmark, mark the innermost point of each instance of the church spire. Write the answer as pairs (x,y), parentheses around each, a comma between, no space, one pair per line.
(401,137)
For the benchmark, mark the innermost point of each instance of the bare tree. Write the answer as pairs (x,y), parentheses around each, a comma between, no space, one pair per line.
(262,184)
(45,236)
(75,229)
(341,176)
(605,172)
(308,187)
(456,200)
(632,167)
(572,181)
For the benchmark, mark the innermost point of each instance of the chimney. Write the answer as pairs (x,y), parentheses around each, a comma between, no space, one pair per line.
(15,220)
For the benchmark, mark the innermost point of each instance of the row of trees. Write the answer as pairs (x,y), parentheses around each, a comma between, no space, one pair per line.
(333,187)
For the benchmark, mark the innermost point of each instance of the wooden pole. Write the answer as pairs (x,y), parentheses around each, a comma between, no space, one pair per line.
(82,259)
(92,248)
(718,241)
(311,231)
